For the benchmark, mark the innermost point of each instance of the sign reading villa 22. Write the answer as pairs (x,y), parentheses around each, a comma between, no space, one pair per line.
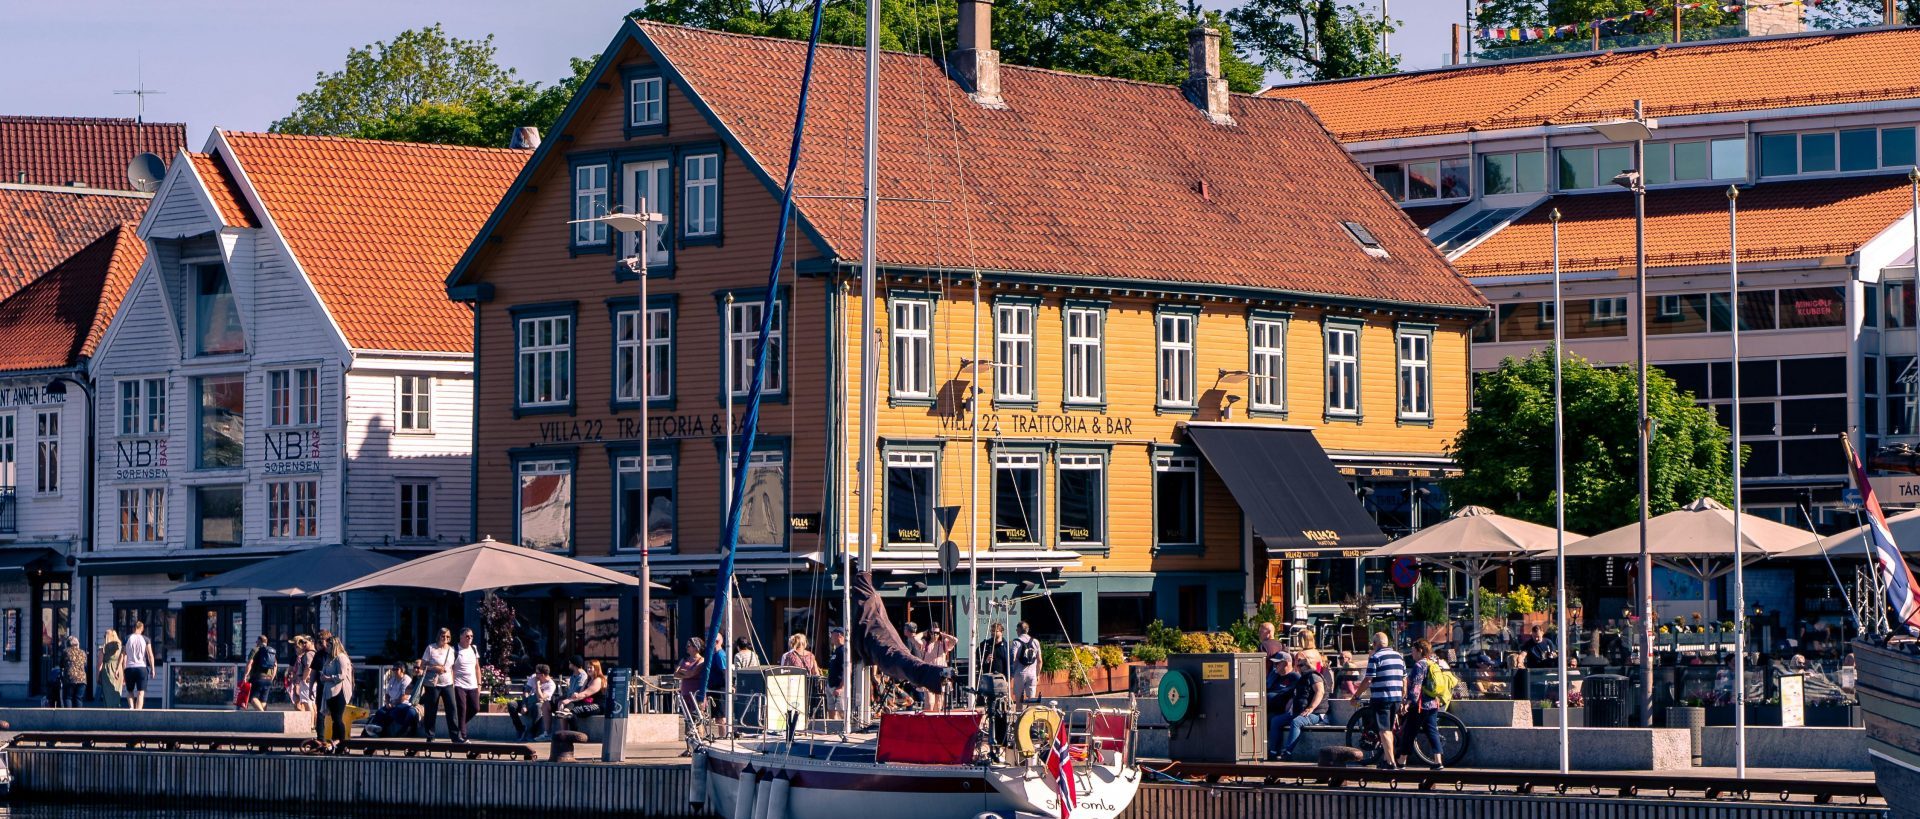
(292,452)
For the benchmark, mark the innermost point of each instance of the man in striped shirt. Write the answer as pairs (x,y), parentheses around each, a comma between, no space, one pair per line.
(1386,687)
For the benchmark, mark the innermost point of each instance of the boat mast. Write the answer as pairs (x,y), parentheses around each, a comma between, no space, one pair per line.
(869,374)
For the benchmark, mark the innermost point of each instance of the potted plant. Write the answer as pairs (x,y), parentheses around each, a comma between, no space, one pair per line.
(1430,610)
(1111,658)
(1150,654)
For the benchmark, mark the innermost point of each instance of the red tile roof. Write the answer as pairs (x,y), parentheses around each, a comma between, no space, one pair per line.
(377,225)
(1778,220)
(59,318)
(90,151)
(1079,176)
(223,190)
(1861,65)
(40,227)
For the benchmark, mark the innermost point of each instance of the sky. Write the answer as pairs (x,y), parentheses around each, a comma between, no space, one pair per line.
(239,64)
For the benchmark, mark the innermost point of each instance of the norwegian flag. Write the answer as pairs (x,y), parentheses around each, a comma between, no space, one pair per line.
(1060,767)
(1903,594)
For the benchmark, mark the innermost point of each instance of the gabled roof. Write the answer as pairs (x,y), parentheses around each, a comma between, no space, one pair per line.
(1808,219)
(92,152)
(1861,65)
(223,190)
(1078,177)
(59,318)
(40,227)
(376,225)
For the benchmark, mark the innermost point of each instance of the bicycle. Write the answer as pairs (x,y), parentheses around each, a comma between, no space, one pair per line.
(1454,738)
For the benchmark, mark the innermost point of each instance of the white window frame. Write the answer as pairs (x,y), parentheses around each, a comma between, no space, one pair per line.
(9,437)
(649,108)
(912,364)
(293,397)
(1186,465)
(700,189)
(143,514)
(590,186)
(1088,462)
(557,354)
(1086,374)
(656,351)
(413,403)
(1671,306)
(1267,363)
(413,503)
(143,405)
(654,176)
(1037,516)
(1608,309)
(1548,313)
(743,332)
(1174,344)
(1414,351)
(1342,343)
(293,509)
(1013,327)
(46,445)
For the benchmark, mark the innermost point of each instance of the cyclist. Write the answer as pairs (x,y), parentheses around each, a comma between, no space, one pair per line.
(1386,686)
(1426,710)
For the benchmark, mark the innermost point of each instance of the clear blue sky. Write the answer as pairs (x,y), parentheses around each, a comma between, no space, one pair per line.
(238,64)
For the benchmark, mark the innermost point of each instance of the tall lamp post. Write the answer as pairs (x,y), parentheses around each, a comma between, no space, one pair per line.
(1559,489)
(1739,555)
(84,604)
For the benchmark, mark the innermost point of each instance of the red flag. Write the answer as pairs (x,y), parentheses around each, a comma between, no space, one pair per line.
(1060,767)
(1903,592)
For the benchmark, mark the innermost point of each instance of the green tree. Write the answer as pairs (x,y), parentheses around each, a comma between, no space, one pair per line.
(1314,39)
(427,86)
(1834,14)
(1697,23)
(1506,450)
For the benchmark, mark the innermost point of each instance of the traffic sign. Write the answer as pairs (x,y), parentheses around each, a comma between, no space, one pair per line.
(1406,572)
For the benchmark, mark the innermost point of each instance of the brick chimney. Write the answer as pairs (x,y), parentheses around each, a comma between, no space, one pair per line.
(1205,87)
(1781,19)
(975,65)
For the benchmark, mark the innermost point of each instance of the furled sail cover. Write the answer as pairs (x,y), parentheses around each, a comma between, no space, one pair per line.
(877,643)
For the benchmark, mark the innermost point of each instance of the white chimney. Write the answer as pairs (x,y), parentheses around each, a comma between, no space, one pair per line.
(525,137)
(975,65)
(1205,87)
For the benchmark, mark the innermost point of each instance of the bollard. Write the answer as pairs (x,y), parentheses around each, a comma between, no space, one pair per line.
(561,750)
(744,793)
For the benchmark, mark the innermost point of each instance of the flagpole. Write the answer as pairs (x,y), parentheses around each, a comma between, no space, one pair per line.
(1739,545)
(1559,495)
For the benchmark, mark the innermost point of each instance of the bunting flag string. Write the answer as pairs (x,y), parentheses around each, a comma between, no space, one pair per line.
(1525,34)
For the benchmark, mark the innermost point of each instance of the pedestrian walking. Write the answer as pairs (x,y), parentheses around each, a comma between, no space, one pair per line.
(1426,708)
(299,679)
(1026,665)
(262,663)
(111,670)
(73,668)
(1385,684)
(466,681)
(336,681)
(140,662)
(436,663)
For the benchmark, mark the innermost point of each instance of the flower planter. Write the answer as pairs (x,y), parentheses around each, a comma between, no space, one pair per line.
(1757,714)
(1550,717)
(1833,716)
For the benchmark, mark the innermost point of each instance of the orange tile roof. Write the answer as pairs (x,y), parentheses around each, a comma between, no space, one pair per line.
(223,190)
(1778,220)
(58,319)
(1861,65)
(1079,176)
(377,225)
(90,151)
(39,228)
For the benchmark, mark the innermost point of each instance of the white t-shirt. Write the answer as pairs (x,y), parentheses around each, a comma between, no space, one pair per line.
(543,689)
(466,667)
(441,656)
(137,651)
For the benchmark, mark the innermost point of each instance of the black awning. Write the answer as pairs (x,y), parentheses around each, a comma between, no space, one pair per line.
(18,563)
(1297,502)
(180,564)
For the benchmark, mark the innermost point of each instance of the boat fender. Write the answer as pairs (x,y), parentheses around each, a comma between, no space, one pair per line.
(697,783)
(763,795)
(777,798)
(743,795)
(1036,721)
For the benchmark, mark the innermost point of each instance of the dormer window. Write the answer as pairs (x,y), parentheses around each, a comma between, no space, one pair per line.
(216,318)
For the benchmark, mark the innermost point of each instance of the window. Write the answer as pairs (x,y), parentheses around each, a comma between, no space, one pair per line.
(1896,147)
(1267,364)
(589,201)
(910,498)
(293,397)
(1432,179)
(1013,352)
(644,103)
(1086,355)
(1083,499)
(1416,374)
(763,516)
(1857,149)
(1520,172)
(1582,168)
(6,451)
(143,405)
(1365,238)
(1176,500)
(143,515)
(912,348)
(649,187)
(216,317)
(1016,498)
(155,615)
(223,420)
(656,354)
(416,403)
(47,450)
(743,333)
(546,361)
(701,181)
(1899,301)
(1176,359)
(1609,309)
(1343,370)
(1671,307)
(1696,160)
(293,509)
(218,509)
(1813,307)
(281,619)
(415,502)
(656,510)
(546,504)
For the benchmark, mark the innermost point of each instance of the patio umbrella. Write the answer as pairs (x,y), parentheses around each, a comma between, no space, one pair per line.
(1697,540)
(299,573)
(1475,541)
(1853,542)
(487,565)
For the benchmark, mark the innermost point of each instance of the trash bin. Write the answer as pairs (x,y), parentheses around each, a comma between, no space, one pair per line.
(1606,700)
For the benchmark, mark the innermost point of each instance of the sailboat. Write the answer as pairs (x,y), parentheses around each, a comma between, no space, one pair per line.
(965,763)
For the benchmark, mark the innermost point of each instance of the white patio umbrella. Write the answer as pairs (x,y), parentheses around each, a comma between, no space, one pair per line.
(486,565)
(1475,541)
(1697,540)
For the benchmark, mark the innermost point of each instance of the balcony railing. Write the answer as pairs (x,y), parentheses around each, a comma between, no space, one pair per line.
(9,518)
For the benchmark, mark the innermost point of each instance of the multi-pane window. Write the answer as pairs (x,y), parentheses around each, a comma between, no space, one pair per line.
(763,515)
(415,402)
(46,428)
(701,182)
(1013,352)
(545,491)
(219,512)
(414,500)
(1696,160)
(1082,495)
(1176,359)
(743,333)
(1859,149)
(1432,179)
(293,397)
(546,361)
(644,103)
(216,317)
(1416,374)
(1518,172)
(1592,167)
(6,450)
(648,188)
(589,201)
(143,514)
(1609,309)
(223,420)
(1267,364)
(1343,370)
(656,353)
(1086,355)
(1176,500)
(910,498)
(1016,497)
(143,405)
(293,509)
(912,348)
(655,510)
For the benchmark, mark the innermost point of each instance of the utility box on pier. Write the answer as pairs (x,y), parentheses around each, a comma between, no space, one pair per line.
(1216,707)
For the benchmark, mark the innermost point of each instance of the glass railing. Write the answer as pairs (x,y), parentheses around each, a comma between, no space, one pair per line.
(1578,44)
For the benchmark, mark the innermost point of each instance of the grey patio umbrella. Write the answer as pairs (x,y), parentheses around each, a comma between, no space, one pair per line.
(1475,541)
(300,573)
(1853,542)
(1697,540)
(486,565)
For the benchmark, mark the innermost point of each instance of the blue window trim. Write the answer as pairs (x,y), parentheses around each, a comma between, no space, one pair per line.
(680,155)
(1099,306)
(570,309)
(570,454)
(629,73)
(1105,451)
(745,294)
(617,197)
(768,443)
(894,399)
(1033,303)
(938,448)
(994,448)
(1359,328)
(660,301)
(1160,406)
(1285,318)
(669,447)
(1414,328)
(574,163)
(1186,450)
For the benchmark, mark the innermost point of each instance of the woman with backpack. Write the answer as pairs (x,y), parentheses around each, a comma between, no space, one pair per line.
(1430,689)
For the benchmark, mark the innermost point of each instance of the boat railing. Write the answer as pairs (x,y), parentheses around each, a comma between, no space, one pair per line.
(1106,733)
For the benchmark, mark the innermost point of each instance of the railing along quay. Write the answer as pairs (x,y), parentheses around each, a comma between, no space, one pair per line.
(263,744)
(1625,785)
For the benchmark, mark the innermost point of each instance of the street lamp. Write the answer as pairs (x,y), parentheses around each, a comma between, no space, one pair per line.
(58,388)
